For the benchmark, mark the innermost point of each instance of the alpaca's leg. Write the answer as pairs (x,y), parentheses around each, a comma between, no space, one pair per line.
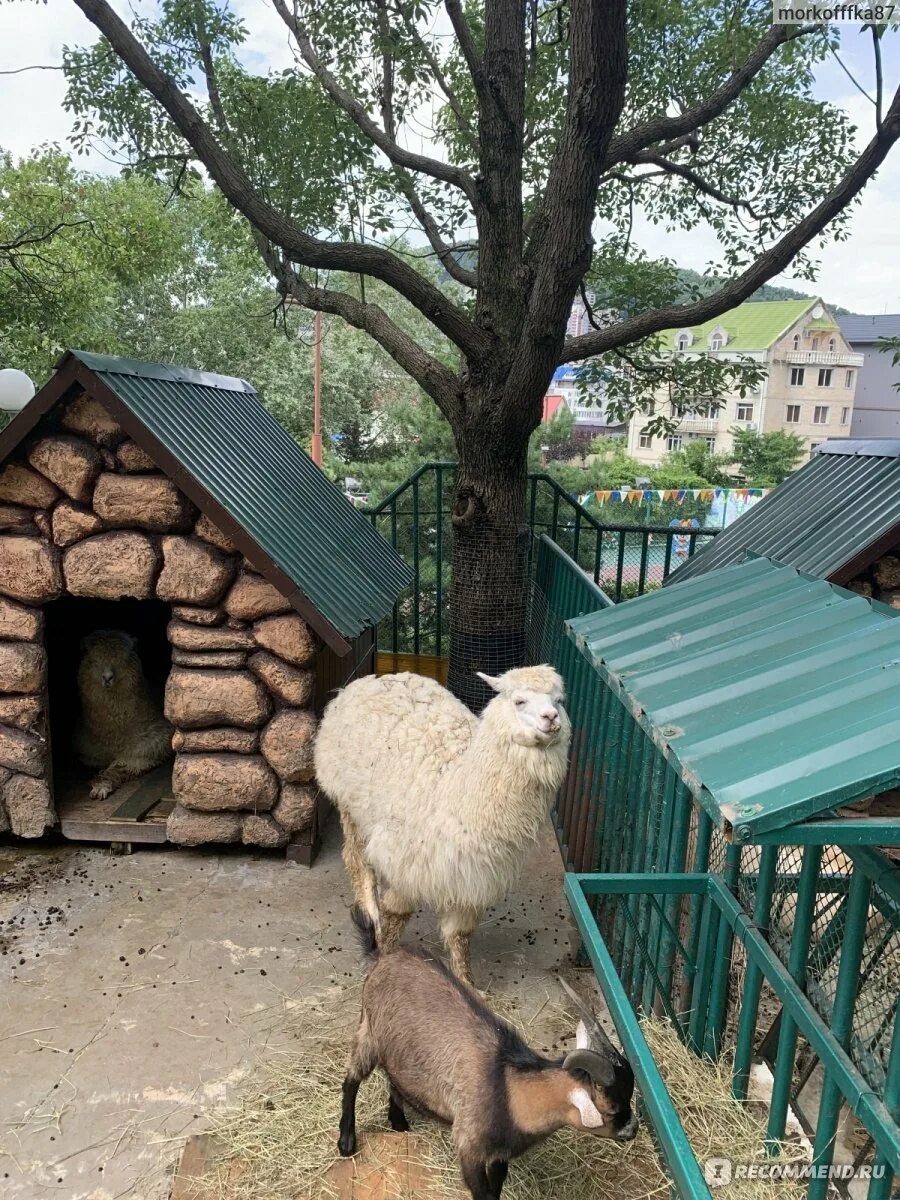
(457,926)
(109,779)
(362,877)
(137,760)
(395,912)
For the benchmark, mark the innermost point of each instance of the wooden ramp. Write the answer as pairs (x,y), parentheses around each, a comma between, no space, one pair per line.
(135,812)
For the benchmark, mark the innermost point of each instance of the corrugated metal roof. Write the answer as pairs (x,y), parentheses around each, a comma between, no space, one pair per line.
(777,694)
(859,330)
(218,431)
(822,518)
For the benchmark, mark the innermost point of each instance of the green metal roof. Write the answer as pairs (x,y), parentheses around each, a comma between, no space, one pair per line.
(219,434)
(754,325)
(776,694)
(830,518)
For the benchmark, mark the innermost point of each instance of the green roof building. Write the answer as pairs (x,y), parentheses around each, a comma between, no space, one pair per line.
(809,383)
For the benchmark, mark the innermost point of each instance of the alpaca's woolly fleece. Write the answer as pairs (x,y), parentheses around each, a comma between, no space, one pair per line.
(120,728)
(446,803)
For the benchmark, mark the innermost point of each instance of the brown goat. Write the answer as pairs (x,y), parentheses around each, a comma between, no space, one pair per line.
(446,1054)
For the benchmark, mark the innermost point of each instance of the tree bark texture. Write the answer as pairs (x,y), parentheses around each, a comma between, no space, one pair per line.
(488,590)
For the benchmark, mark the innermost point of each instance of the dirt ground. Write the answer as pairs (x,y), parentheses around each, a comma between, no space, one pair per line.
(138,993)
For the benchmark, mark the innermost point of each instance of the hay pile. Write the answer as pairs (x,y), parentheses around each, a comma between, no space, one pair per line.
(279,1142)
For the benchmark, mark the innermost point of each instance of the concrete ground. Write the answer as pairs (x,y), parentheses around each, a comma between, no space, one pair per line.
(140,991)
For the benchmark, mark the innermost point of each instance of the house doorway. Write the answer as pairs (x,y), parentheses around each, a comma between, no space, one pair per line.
(135,808)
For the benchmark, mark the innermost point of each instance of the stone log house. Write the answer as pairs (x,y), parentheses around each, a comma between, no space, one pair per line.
(168,503)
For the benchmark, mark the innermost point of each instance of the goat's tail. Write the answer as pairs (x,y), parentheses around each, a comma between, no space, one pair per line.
(368,935)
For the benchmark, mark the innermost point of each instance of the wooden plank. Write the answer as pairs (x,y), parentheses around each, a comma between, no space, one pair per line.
(149,790)
(420,664)
(387,1166)
(113,831)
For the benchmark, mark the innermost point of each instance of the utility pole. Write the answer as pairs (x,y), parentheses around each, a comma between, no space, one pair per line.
(317,394)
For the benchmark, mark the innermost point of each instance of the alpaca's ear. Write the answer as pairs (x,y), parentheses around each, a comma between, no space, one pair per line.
(493,681)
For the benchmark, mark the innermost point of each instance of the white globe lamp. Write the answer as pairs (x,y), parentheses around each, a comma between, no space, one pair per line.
(16,389)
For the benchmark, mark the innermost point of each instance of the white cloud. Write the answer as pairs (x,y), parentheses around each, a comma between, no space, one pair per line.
(31,110)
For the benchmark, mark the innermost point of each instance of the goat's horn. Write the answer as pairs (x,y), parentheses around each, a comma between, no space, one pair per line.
(595,1029)
(592,1063)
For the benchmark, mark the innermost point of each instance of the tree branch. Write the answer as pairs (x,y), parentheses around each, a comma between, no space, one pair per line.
(456,106)
(641,137)
(771,263)
(381,138)
(668,167)
(468,49)
(35,67)
(561,244)
(432,376)
(442,250)
(298,246)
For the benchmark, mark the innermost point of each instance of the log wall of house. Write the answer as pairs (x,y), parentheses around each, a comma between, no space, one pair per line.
(84,511)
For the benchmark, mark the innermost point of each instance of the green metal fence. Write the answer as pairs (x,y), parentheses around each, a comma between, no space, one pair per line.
(625,560)
(785,951)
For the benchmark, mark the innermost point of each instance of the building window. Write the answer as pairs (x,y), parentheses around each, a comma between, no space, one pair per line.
(796,341)
(745,412)
(831,345)
(815,343)
(710,444)
(716,342)
(645,441)
(845,415)
(682,341)
(825,374)
(792,414)
(820,414)
(797,376)
(813,447)
(848,381)
(674,441)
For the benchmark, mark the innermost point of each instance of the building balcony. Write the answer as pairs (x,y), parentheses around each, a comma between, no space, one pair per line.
(698,425)
(822,358)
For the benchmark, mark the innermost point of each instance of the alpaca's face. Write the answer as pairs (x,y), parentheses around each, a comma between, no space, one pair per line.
(108,661)
(532,701)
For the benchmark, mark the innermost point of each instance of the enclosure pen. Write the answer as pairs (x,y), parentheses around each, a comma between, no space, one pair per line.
(416,519)
(741,902)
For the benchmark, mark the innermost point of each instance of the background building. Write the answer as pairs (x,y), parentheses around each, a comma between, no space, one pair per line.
(876,410)
(808,387)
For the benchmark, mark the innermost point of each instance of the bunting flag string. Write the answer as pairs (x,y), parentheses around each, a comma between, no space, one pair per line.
(679,495)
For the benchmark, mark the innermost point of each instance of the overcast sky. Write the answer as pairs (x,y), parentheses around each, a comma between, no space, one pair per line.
(862,273)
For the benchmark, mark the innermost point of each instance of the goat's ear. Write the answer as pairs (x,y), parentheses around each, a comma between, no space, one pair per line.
(591,1117)
(493,681)
(582,1037)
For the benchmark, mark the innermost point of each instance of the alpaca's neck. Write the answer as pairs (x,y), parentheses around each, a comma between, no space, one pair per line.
(503,787)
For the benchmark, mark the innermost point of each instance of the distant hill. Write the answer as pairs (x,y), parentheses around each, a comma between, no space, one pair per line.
(694,284)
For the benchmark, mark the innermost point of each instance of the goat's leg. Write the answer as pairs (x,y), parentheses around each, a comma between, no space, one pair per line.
(496,1174)
(395,912)
(362,1063)
(362,877)
(457,926)
(396,1116)
(475,1177)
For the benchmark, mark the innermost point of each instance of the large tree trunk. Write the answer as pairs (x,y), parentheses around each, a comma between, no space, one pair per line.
(490,550)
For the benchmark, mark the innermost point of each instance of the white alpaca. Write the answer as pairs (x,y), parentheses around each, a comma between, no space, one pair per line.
(438,806)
